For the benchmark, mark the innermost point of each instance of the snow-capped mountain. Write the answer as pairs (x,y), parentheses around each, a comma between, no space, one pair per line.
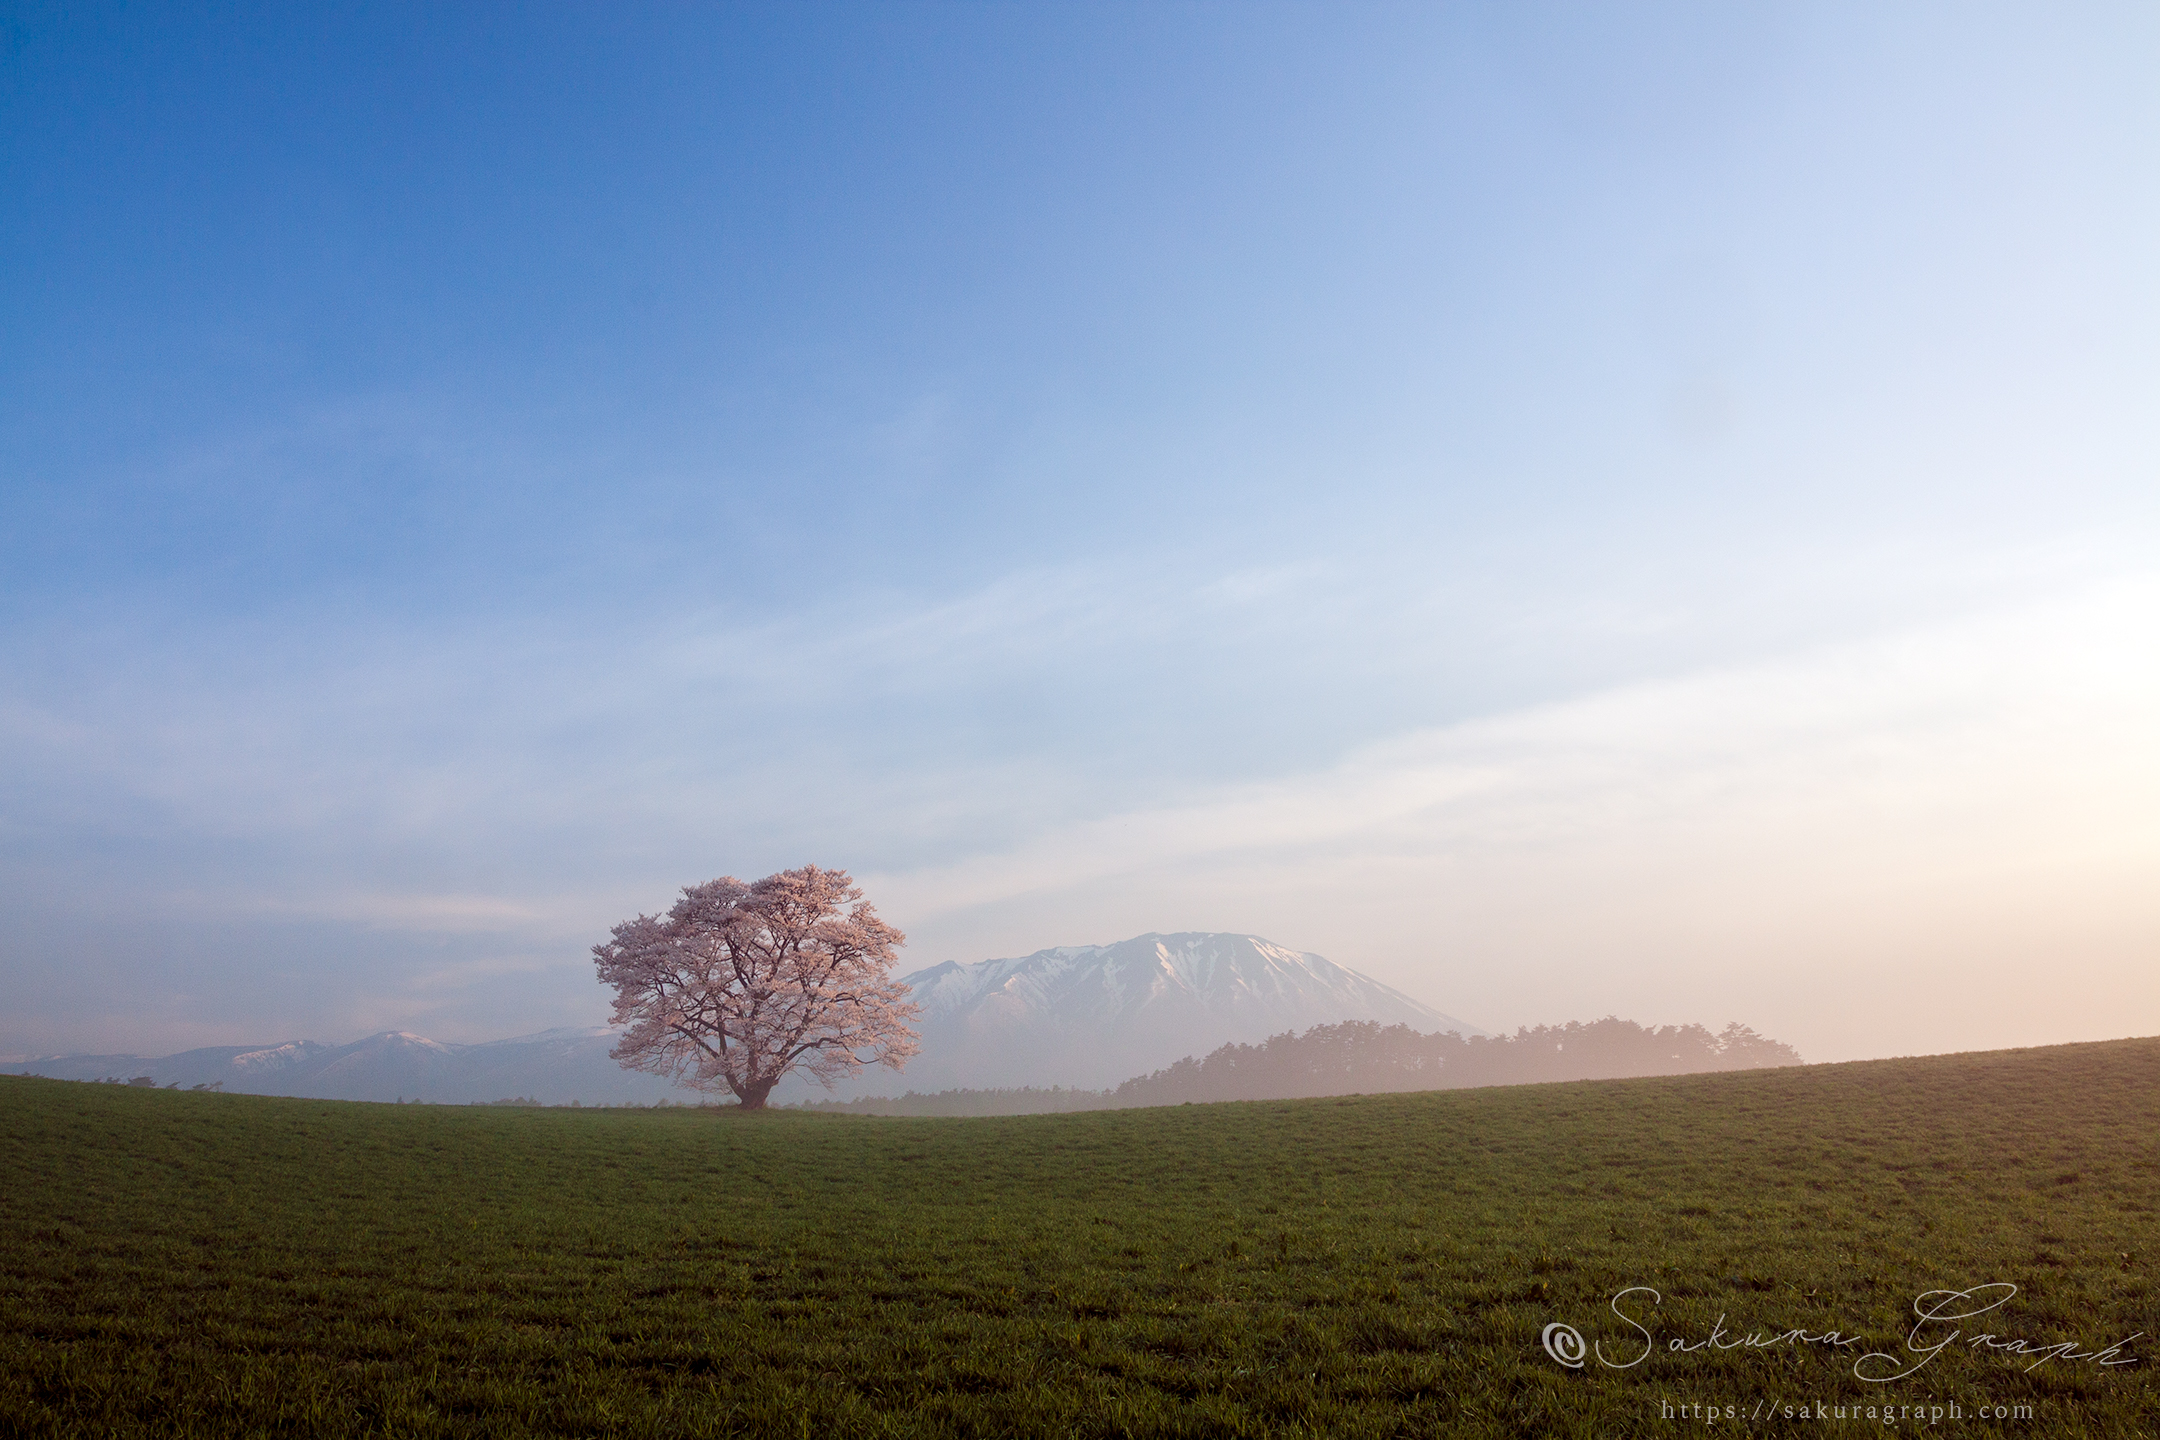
(554,1067)
(1093,1015)
(1078,1015)
(274,1060)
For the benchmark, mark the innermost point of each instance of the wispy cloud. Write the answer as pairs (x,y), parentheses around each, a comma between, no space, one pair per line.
(510,791)
(391,911)
(1795,814)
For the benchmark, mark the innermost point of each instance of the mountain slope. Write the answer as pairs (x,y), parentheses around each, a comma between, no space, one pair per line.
(554,1067)
(1084,1015)
(1093,1015)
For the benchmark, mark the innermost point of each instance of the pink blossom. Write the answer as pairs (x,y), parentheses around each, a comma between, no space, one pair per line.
(739,984)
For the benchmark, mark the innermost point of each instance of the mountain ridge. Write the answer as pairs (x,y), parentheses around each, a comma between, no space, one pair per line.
(1091,1015)
(1074,1015)
(552,1066)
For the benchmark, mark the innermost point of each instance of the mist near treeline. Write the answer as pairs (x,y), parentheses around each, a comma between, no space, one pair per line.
(1364,1057)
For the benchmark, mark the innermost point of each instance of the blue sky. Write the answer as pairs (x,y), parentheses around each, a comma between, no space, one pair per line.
(1562,510)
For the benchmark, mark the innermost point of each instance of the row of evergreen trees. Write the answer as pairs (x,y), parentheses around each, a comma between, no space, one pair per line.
(1364,1057)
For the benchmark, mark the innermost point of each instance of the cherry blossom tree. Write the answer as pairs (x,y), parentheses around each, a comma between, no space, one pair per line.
(739,984)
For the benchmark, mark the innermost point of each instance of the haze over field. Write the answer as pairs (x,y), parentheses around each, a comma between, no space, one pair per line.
(1075,1016)
(1561,512)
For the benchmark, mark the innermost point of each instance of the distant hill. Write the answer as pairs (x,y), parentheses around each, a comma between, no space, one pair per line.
(1077,1015)
(1362,1057)
(1095,1015)
(553,1067)
(1358,1058)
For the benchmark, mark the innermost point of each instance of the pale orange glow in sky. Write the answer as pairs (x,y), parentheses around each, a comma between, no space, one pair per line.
(1604,509)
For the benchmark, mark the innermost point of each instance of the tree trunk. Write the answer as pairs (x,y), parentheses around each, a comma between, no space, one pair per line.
(753,1095)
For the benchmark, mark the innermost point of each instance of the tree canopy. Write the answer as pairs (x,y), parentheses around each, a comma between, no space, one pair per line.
(740,984)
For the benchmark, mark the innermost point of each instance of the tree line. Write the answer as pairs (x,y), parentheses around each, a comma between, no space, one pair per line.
(1365,1057)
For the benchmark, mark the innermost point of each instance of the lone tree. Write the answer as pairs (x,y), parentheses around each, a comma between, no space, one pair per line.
(739,984)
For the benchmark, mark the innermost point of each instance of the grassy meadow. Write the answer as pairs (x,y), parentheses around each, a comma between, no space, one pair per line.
(176,1264)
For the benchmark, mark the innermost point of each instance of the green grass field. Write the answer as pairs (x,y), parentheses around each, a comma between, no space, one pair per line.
(195,1264)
